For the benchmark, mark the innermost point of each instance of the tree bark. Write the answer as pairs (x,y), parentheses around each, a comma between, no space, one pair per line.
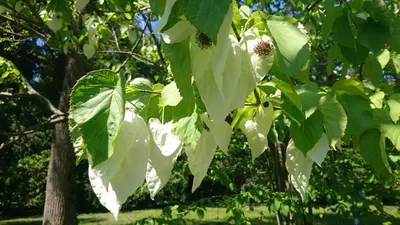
(60,204)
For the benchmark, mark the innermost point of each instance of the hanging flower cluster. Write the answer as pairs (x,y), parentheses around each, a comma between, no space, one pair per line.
(225,73)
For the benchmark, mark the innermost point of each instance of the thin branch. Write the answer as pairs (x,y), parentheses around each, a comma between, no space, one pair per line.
(150,92)
(236,32)
(134,46)
(258,99)
(134,55)
(154,38)
(39,20)
(32,91)
(116,39)
(18,23)
(312,5)
(11,95)
(11,33)
(16,136)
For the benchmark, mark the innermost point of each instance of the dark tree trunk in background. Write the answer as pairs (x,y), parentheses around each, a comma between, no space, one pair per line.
(60,204)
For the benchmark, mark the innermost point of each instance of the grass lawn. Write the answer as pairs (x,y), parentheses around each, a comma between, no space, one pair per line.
(215,216)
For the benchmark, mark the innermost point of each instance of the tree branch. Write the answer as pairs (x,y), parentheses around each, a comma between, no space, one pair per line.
(32,91)
(236,32)
(16,136)
(154,38)
(134,46)
(18,23)
(39,20)
(116,39)
(312,5)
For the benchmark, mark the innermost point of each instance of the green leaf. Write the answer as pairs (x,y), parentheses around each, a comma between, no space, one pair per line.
(291,45)
(373,35)
(335,119)
(394,107)
(206,15)
(289,91)
(174,17)
(379,11)
(395,36)
(392,131)
(308,133)
(97,105)
(377,99)
(141,83)
(342,31)
(200,213)
(170,95)
(188,129)
(291,110)
(157,6)
(179,57)
(309,97)
(355,55)
(351,87)
(372,147)
(373,70)
(396,61)
(58,6)
(359,113)
(331,14)
(285,210)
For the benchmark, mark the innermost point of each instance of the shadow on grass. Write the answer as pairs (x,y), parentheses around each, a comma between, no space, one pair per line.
(332,219)
(91,220)
(210,222)
(21,222)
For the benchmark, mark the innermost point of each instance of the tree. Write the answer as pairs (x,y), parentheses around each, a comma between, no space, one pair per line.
(297,78)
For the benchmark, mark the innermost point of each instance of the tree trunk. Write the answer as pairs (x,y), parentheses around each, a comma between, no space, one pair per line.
(60,204)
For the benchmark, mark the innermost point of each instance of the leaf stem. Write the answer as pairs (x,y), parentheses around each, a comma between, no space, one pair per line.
(236,32)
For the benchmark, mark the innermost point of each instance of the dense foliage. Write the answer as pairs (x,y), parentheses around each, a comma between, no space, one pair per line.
(304,84)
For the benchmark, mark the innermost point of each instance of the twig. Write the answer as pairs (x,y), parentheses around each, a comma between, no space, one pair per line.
(236,32)
(32,91)
(116,39)
(312,5)
(257,96)
(39,20)
(154,38)
(150,92)
(18,23)
(16,136)
(134,46)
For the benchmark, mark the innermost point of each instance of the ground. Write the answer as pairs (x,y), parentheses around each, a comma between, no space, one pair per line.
(216,216)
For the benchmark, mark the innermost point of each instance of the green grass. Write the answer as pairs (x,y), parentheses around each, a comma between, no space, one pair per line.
(214,216)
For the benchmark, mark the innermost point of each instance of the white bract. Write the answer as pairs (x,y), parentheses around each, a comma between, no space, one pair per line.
(220,130)
(80,4)
(214,134)
(214,76)
(165,149)
(117,178)
(56,21)
(257,60)
(299,167)
(256,130)
(89,50)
